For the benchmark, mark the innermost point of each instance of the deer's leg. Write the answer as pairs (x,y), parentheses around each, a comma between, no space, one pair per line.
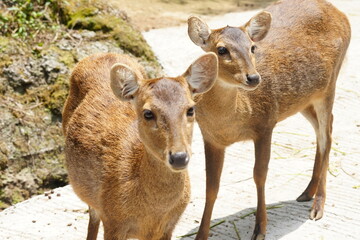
(323,110)
(310,114)
(214,163)
(166,236)
(115,230)
(317,185)
(262,157)
(93,227)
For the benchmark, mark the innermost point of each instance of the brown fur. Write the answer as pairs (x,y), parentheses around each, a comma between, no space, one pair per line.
(118,161)
(298,61)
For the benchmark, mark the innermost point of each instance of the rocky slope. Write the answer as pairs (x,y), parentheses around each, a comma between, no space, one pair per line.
(39,45)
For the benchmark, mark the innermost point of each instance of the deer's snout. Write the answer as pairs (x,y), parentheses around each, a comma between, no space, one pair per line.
(253,79)
(179,160)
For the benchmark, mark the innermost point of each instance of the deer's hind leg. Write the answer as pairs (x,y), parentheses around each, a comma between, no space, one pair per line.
(93,227)
(320,116)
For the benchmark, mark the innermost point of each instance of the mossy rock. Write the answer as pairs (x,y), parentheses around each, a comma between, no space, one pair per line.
(4,42)
(3,161)
(131,40)
(127,38)
(53,96)
(87,18)
(79,15)
(31,135)
(65,57)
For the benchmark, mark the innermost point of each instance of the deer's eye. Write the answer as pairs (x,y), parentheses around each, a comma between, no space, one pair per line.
(222,50)
(148,115)
(190,112)
(253,47)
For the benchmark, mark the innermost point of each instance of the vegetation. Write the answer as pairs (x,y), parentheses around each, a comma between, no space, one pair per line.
(40,42)
(26,18)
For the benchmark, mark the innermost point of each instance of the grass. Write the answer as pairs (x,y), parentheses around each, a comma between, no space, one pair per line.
(267,208)
(194,233)
(232,222)
(236,230)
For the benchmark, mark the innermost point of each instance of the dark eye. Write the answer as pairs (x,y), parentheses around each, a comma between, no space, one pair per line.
(253,48)
(148,115)
(190,112)
(222,50)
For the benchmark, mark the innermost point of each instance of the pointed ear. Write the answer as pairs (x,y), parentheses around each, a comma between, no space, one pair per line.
(201,75)
(198,31)
(124,82)
(258,26)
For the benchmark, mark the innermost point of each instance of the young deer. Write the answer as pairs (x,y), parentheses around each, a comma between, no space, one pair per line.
(298,63)
(127,159)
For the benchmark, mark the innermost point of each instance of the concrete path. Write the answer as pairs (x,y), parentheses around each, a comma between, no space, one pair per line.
(62,216)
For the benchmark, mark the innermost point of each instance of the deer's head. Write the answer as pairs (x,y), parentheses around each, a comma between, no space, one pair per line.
(165,107)
(234,46)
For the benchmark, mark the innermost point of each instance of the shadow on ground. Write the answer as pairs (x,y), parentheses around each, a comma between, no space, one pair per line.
(240,225)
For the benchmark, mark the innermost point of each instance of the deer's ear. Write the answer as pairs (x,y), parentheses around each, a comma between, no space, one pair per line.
(198,31)
(258,26)
(124,82)
(201,74)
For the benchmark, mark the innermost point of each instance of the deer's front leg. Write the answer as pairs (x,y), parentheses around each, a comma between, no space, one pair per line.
(214,163)
(262,157)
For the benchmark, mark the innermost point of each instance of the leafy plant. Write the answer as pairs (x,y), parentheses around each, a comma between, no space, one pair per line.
(26,18)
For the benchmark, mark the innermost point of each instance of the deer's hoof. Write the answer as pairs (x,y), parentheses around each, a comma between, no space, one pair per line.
(258,236)
(316,212)
(304,197)
(317,209)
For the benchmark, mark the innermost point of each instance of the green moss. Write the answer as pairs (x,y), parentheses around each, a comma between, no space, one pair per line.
(86,18)
(52,96)
(131,40)
(65,57)
(3,205)
(16,196)
(93,18)
(5,61)
(56,95)
(4,42)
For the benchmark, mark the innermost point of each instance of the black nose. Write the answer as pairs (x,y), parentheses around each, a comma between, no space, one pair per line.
(179,160)
(252,79)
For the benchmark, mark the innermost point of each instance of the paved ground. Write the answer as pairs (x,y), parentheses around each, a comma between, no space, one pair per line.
(64,216)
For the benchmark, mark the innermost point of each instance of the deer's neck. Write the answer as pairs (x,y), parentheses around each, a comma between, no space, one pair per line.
(159,182)
(224,101)
(225,115)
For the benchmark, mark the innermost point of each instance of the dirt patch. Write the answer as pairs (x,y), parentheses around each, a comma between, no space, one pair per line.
(150,14)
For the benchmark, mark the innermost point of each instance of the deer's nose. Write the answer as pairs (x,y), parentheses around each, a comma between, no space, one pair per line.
(252,79)
(179,160)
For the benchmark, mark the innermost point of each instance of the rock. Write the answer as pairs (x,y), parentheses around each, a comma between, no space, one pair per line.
(33,88)
(52,66)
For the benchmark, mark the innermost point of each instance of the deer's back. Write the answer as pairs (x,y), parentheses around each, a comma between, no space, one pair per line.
(300,58)
(298,61)
(92,76)
(101,131)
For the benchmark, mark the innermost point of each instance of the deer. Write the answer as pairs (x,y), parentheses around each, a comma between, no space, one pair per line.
(284,60)
(128,143)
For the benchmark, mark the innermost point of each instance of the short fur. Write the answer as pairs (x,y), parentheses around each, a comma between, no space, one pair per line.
(117,160)
(298,61)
